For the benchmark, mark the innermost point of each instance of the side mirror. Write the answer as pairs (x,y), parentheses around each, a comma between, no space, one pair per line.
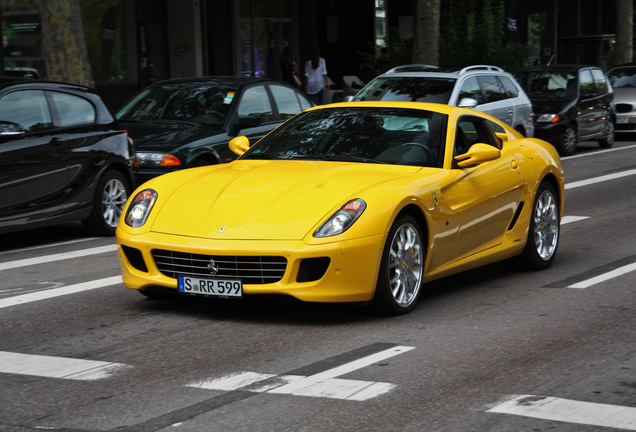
(467,103)
(239,145)
(478,153)
(10,129)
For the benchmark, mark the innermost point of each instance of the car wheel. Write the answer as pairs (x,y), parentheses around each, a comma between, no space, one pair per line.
(608,141)
(402,267)
(544,230)
(110,198)
(568,142)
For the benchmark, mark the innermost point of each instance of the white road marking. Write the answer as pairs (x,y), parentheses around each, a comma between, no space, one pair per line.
(570,411)
(599,179)
(605,276)
(598,152)
(570,219)
(56,292)
(57,257)
(50,245)
(323,384)
(57,367)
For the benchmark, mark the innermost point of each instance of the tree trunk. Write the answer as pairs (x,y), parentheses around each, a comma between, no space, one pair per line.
(63,43)
(624,30)
(426,38)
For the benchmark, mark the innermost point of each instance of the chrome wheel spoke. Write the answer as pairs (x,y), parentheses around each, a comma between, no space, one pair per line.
(405,265)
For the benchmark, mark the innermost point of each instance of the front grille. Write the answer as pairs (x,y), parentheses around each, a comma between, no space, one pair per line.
(250,269)
(624,108)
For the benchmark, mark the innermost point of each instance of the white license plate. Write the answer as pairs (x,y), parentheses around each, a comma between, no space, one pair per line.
(210,287)
(621,120)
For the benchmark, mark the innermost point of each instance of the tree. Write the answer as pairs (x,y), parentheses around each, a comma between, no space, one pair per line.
(426,37)
(64,47)
(624,31)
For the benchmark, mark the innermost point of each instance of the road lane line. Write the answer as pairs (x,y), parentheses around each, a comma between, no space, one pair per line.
(599,179)
(57,257)
(49,245)
(56,292)
(570,411)
(571,219)
(57,367)
(599,152)
(604,277)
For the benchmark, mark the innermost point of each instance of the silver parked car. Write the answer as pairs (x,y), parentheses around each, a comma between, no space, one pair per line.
(623,80)
(485,88)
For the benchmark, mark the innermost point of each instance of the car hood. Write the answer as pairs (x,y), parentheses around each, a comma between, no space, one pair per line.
(266,200)
(543,106)
(625,94)
(163,136)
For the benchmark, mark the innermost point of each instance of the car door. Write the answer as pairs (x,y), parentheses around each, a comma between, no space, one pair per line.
(588,110)
(603,100)
(485,196)
(30,166)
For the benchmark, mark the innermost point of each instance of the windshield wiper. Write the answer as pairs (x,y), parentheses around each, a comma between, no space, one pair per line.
(335,158)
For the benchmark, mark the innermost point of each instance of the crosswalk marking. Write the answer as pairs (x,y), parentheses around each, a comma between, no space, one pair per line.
(570,411)
(57,367)
(324,384)
(605,276)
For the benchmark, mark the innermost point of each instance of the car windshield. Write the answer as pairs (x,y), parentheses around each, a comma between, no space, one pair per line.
(372,135)
(623,78)
(548,84)
(201,104)
(408,89)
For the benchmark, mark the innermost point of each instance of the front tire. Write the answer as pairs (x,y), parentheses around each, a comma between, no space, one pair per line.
(402,268)
(567,145)
(111,194)
(544,230)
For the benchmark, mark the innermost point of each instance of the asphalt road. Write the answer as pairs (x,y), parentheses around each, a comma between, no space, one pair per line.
(487,350)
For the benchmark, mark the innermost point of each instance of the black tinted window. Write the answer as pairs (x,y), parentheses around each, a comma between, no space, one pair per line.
(586,83)
(599,80)
(255,105)
(72,110)
(27,108)
(408,89)
(286,101)
(492,88)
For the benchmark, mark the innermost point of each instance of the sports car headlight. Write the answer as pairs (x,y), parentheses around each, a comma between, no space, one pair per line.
(342,219)
(548,118)
(140,208)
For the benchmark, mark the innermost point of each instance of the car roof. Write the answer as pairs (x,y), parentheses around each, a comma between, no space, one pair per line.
(231,81)
(29,82)
(435,71)
(558,67)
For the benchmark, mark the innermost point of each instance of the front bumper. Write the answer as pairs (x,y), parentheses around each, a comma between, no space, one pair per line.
(350,276)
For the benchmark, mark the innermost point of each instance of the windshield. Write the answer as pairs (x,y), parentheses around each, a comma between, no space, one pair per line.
(548,84)
(201,104)
(623,78)
(408,89)
(376,135)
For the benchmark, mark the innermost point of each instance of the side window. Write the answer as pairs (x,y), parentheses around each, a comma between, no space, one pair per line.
(511,89)
(255,106)
(599,79)
(586,83)
(27,108)
(493,90)
(286,101)
(72,110)
(470,89)
(470,131)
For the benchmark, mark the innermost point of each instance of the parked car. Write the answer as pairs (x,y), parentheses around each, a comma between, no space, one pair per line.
(63,157)
(623,80)
(351,202)
(183,123)
(572,103)
(485,88)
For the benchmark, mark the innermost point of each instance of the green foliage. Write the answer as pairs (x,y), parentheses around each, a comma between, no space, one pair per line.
(474,32)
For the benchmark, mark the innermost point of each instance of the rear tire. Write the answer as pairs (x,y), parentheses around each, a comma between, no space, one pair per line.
(608,141)
(111,194)
(402,268)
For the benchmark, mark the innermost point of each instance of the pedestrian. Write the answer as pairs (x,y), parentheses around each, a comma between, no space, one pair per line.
(316,78)
(288,68)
